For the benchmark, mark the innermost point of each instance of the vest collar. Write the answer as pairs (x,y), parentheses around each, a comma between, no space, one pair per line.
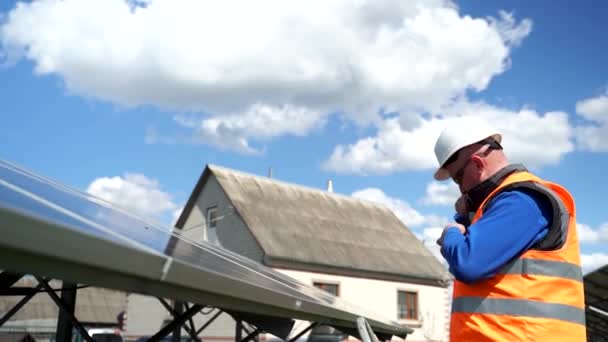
(478,193)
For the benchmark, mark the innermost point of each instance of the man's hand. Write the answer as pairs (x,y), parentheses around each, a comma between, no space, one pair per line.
(451,225)
(461,206)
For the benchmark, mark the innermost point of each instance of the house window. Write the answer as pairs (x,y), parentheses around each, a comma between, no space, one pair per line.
(407,305)
(212,219)
(331,288)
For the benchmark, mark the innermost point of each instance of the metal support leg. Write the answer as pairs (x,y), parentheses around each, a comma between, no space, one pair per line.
(177,333)
(238,334)
(365,331)
(64,324)
(69,313)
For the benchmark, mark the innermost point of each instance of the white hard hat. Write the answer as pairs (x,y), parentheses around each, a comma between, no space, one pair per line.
(459,134)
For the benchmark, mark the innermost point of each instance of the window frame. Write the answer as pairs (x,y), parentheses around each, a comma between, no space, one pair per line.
(320,284)
(404,307)
(212,210)
(212,224)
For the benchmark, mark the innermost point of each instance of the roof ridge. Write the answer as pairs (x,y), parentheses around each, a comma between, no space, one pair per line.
(295,185)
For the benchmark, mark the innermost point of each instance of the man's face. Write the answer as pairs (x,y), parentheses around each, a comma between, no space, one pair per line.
(459,172)
(464,170)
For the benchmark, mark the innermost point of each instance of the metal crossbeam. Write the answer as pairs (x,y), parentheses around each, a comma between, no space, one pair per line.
(8,279)
(217,314)
(63,308)
(177,322)
(251,335)
(19,305)
(191,322)
(301,333)
(190,330)
(17,291)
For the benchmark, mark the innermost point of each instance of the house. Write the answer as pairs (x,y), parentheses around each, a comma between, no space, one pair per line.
(358,250)
(95,307)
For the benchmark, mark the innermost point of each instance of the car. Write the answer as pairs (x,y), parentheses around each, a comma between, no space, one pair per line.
(168,338)
(326,333)
(100,335)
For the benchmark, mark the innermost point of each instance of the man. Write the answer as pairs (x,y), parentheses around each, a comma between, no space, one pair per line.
(513,248)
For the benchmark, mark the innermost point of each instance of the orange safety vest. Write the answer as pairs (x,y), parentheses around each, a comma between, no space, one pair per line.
(539,296)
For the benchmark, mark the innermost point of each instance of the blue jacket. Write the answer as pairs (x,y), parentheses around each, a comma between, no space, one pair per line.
(512,223)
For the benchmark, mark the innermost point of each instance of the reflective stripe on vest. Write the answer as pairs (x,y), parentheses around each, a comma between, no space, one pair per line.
(519,307)
(542,267)
(528,308)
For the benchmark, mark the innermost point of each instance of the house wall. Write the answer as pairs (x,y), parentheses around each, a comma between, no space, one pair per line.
(381,297)
(146,315)
(232,231)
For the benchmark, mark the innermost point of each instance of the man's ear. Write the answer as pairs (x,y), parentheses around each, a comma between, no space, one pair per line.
(479,162)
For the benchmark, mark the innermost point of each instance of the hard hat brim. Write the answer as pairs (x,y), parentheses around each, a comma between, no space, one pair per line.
(441,174)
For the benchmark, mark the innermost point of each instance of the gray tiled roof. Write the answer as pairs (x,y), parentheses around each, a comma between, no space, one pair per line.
(300,227)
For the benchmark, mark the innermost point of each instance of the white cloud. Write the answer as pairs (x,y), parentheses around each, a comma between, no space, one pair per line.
(592,261)
(175,215)
(429,239)
(222,58)
(595,109)
(593,136)
(444,193)
(408,215)
(259,121)
(435,221)
(391,150)
(509,30)
(432,234)
(135,193)
(529,137)
(587,234)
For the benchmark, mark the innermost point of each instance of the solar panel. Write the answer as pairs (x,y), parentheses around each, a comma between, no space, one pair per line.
(53,230)
(596,300)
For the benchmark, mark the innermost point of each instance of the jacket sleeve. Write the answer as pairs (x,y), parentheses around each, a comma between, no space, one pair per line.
(512,223)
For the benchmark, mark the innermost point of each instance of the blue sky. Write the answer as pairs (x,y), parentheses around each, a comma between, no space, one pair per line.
(130,101)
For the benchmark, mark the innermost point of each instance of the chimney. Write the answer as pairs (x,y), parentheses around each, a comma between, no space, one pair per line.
(330,185)
(270,172)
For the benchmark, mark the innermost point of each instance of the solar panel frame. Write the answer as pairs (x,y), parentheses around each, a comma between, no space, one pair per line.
(43,237)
